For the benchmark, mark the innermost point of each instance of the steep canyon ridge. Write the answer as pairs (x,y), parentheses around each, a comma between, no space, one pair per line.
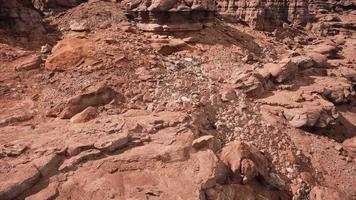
(178,99)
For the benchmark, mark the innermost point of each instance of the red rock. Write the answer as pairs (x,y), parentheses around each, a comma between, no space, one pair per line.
(101,96)
(283,71)
(320,60)
(47,164)
(17,181)
(303,62)
(265,16)
(83,156)
(50,192)
(28,63)
(74,148)
(326,49)
(172,46)
(228,94)
(245,160)
(207,141)
(112,142)
(86,115)
(47,4)
(68,54)
(324,193)
(78,26)
(350,146)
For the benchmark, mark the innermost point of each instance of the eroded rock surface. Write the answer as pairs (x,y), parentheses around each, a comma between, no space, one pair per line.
(177,99)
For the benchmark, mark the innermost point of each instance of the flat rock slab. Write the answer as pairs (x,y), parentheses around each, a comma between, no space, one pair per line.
(112,142)
(50,192)
(17,181)
(85,155)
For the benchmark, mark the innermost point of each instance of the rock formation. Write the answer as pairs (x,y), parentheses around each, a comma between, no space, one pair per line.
(170,99)
(44,5)
(264,14)
(172,15)
(19,18)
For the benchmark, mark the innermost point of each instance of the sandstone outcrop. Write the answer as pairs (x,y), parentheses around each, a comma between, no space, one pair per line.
(18,18)
(101,96)
(225,112)
(264,14)
(171,15)
(44,5)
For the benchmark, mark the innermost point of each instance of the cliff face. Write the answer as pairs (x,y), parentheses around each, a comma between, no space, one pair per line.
(173,5)
(55,4)
(171,15)
(264,14)
(18,15)
(20,23)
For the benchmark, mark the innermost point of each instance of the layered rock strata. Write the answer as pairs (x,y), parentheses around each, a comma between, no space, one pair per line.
(168,15)
(18,15)
(20,23)
(43,5)
(264,15)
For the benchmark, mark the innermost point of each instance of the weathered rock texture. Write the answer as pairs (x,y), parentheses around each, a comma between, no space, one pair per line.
(50,4)
(20,18)
(172,15)
(264,14)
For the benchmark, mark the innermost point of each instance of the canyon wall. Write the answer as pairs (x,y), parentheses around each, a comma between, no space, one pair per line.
(171,15)
(20,23)
(55,4)
(18,15)
(264,14)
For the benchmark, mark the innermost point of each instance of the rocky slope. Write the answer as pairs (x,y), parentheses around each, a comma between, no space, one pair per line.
(177,100)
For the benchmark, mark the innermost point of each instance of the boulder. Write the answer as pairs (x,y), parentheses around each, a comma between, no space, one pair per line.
(101,96)
(307,117)
(282,71)
(28,63)
(350,146)
(303,62)
(319,60)
(251,83)
(327,49)
(86,115)
(78,26)
(228,94)
(68,54)
(212,171)
(245,160)
(207,141)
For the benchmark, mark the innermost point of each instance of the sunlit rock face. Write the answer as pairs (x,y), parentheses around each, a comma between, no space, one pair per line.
(172,15)
(264,15)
